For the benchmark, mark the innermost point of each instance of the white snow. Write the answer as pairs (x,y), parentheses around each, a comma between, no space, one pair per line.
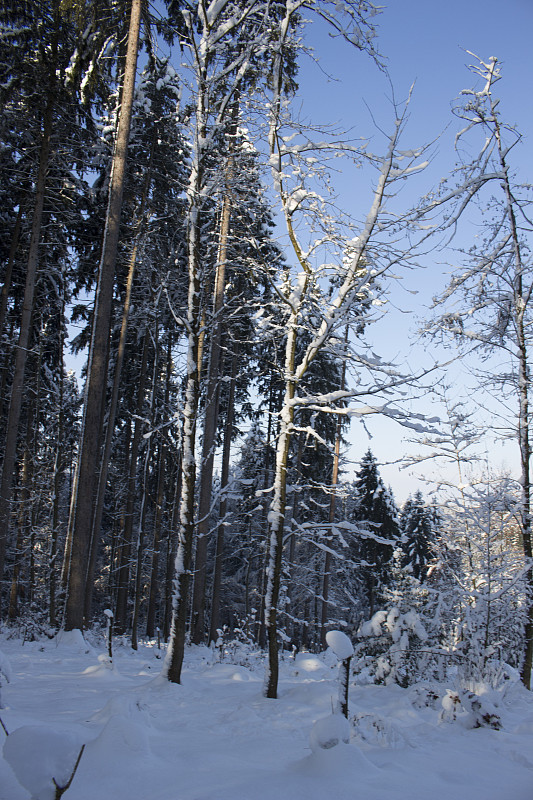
(328,732)
(38,754)
(216,737)
(340,644)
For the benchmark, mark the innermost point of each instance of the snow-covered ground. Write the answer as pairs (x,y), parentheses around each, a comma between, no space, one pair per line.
(217,738)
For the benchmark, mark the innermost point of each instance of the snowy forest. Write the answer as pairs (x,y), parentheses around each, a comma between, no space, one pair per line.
(184,322)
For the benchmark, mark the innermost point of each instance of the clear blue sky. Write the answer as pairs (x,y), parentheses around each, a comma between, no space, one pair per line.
(424,42)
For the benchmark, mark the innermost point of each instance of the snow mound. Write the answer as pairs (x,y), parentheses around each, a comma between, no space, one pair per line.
(53,756)
(340,644)
(310,665)
(120,705)
(104,669)
(121,735)
(328,732)
(73,641)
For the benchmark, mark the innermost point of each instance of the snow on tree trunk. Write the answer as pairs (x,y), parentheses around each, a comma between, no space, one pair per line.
(343,649)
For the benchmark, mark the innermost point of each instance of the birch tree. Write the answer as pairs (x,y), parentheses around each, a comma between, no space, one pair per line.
(332,294)
(487,305)
(223,42)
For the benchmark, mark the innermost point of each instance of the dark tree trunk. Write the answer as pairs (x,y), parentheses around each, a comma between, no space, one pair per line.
(12,426)
(212,406)
(224,477)
(88,466)
(127,534)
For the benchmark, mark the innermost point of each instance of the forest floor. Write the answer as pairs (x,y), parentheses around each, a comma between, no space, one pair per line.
(215,737)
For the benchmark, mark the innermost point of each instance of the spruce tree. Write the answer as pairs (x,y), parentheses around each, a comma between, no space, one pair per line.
(377,515)
(417,524)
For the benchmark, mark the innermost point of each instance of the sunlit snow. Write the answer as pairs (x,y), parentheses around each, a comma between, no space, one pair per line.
(215,737)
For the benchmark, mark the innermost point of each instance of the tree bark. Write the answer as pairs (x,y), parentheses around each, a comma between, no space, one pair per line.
(6,288)
(110,430)
(212,403)
(13,419)
(154,576)
(127,533)
(224,478)
(88,466)
(58,472)
(331,518)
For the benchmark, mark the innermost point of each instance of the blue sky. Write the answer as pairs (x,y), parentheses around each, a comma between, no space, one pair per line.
(424,43)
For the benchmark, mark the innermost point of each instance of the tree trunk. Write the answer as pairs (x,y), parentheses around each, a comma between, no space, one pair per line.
(212,404)
(110,430)
(58,472)
(154,577)
(224,478)
(10,449)
(277,514)
(520,304)
(331,519)
(127,534)
(88,466)
(292,540)
(6,288)
(171,552)
(140,550)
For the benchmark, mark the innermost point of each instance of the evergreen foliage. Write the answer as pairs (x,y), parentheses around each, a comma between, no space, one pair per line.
(228,359)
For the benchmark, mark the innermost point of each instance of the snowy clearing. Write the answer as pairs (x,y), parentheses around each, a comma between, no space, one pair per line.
(217,738)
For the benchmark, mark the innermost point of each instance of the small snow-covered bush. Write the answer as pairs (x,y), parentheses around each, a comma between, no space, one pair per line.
(425,696)
(471,710)
(373,729)
(400,644)
(328,732)
(30,626)
(235,645)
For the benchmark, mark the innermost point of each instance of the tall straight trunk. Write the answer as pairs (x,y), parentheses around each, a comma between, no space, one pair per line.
(215,83)
(15,404)
(171,552)
(110,430)
(328,558)
(24,516)
(261,633)
(127,533)
(224,478)
(6,288)
(292,539)
(88,464)
(58,473)
(158,521)
(212,404)
(140,550)
(332,504)
(160,500)
(525,458)
(277,510)
(182,581)
(118,539)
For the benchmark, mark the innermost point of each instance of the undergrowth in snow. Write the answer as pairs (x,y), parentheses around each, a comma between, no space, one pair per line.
(215,737)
